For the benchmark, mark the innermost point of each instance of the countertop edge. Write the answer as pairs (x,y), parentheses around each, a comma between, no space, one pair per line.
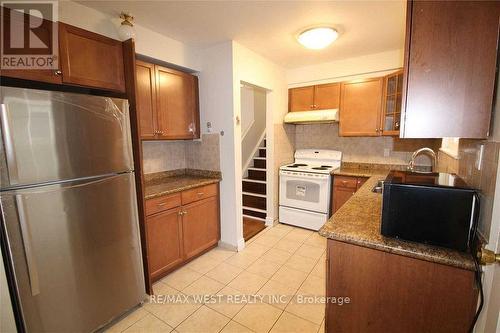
(202,182)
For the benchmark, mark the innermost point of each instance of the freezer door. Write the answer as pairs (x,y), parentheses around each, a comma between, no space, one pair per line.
(50,136)
(76,252)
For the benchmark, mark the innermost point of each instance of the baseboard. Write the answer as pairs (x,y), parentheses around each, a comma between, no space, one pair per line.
(270,221)
(241,244)
(228,246)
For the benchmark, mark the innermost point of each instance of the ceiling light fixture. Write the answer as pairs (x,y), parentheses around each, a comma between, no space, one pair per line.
(317,38)
(126,30)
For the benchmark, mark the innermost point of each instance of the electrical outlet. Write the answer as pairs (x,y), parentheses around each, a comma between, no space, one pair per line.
(479,157)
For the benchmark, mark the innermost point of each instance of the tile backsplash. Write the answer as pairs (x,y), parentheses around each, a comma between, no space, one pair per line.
(201,154)
(362,149)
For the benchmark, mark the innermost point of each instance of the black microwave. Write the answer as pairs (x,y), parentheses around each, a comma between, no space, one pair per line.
(431,208)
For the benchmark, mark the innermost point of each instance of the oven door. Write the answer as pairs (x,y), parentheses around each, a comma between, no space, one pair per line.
(303,190)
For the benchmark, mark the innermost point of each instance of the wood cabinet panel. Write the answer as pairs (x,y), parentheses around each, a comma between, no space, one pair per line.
(343,189)
(146,99)
(450,67)
(340,197)
(162,203)
(200,225)
(327,96)
(91,60)
(360,107)
(361,181)
(345,181)
(164,232)
(301,99)
(176,94)
(393,293)
(199,193)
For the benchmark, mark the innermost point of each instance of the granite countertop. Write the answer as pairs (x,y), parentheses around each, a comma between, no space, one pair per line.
(358,222)
(168,182)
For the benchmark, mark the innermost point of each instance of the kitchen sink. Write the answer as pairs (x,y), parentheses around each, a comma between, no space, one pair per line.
(379,187)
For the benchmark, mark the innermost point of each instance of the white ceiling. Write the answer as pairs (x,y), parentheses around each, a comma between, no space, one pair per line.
(269,27)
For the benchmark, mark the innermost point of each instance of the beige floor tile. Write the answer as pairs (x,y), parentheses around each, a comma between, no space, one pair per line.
(203,264)
(298,235)
(264,268)
(289,323)
(203,286)
(149,324)
(322,327)
(300,263)
(314,312)
(319,269)
(316,240)
(220,253)
(287,245)
(247,282)
(277,256)
(310,251)
(204,320)
(172,313)
(230,304)
(127,321)
(259,317)
(224,272)
(277,293)
(256,249)
(289,276)
(283,226)
(181,278)
(313,286)
(278,232)
(242,260)
(268,240)
(234,327)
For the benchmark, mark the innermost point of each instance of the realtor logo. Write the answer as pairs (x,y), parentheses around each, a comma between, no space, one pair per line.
(29,35)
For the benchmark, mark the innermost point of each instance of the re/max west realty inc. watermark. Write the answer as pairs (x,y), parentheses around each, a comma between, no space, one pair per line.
(29,35)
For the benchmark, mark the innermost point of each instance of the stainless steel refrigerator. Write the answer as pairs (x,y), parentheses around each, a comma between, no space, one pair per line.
(70,235)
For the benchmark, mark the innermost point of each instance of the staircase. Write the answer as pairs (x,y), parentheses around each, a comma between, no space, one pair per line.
(254,186)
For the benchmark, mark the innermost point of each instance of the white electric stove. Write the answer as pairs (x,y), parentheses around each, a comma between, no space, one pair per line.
(305,187)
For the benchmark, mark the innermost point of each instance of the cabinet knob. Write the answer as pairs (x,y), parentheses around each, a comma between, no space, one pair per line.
(58,73)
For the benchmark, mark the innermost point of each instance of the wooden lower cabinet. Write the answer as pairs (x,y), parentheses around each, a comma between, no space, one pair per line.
(200,224)
(343,189)
(164,241)
(177,233)
(393,293)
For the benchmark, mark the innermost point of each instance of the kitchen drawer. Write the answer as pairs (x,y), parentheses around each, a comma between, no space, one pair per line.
(160,204)
(199,193)
(346,182)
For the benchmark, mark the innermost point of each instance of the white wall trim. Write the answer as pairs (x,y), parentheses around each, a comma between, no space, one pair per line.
(270,221)
(244,134)
(254,152)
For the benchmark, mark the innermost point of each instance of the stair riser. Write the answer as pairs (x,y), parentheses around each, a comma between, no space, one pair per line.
(257,174)
(259,163)
(262,153)
(254,214)
(254,202)
(258,188)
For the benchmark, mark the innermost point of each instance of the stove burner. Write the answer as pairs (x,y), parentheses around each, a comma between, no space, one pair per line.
(320,168)
(296,165)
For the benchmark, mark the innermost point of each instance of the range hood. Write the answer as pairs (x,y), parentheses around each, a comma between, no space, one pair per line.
(312,117)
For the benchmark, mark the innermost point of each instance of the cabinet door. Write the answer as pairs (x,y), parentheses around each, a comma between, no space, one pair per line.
(391,113)
(91,60)
(360,107)
(164,236)
(301,99)
(200,225)
(44,33)
(327,96)
(450,59)
(146,99)
(177,104)
(360,182)
(340,196)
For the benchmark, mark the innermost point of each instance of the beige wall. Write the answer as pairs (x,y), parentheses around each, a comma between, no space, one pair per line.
(257,126)
(170,155)
(362,149)
(284,148)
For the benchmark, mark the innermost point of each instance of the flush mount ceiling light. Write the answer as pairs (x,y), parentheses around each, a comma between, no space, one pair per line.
(317,38)
(126,30)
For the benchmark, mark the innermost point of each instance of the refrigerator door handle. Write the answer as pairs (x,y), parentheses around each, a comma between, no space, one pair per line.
(8,146)
(28,250)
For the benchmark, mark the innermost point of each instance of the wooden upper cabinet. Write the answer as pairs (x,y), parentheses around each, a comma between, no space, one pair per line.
(450,65)
(360,107)
(146,99)
(319,97)
(90,60)
(301,99)
(327,96)
(176,104)
(391,113)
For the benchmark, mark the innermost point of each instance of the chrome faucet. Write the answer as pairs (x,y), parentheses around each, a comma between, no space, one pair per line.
(430,152)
